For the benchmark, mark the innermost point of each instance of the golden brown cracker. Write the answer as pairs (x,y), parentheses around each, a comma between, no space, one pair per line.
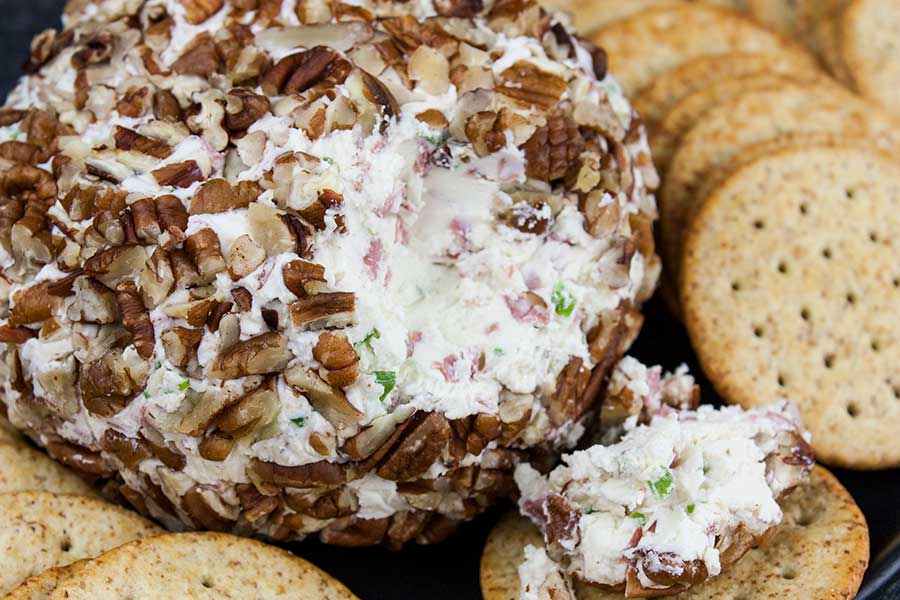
(789,288)
(869,48)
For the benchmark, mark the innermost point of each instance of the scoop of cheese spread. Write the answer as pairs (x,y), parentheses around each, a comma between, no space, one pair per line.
(659,508)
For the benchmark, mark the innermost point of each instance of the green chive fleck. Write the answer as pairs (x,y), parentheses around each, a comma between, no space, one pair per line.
(563,300)
(498,351)
(328,159)
(690,509)
(147,395)
(662,487)
(387,380)
(438,140)
(639,516)
(298,421)
(184,385)
(367,341)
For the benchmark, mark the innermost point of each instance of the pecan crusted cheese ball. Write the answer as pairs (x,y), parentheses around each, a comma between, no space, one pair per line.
(303,267)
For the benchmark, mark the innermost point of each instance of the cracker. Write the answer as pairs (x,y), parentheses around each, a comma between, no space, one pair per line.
(752,118)
(780,15)
(24,468)
(699,73)
(789,287)
(40,530)
(40,586)
(649,43)
(665,135)
(868,47)
(820,552)
(590,15)
(200,565)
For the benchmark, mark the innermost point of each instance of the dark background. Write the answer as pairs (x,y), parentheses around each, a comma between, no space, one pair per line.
(450,570)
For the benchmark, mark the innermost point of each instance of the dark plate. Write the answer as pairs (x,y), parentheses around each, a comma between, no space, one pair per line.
(450,570)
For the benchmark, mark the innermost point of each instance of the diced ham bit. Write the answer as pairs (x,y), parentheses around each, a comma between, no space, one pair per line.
(423,160)
(492,328)
(510,170)
(456,367)
(412,339)
(533,281)
(524,308)
(460,231)
(373,258)
(263,276)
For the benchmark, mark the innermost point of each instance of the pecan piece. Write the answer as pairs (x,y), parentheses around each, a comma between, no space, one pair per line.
(528,85)
(567,403)
(136,318)
(331,402)
(243,108)
(105,385)
(128,139)
(423,441)
(180,345)
(202,514)
(553,149)
(166,106)
(113,265)
(297,73)
(252,411)
(303,277)
(79,458)
(31,305)
(197,11)
(157,279)
(265,353)
(317,474)
(204,250)
(15,335)
(94,302)
(245,257)
(170,212)
(200,58)
(181,175)
(20,152)
(332,309)
(338,357)
(215,446)
(130,451)
(146,225)
(217,195)
(355,533)
(458,8)
(367,441)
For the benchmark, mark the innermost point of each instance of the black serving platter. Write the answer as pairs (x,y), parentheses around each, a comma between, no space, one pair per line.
(449,571)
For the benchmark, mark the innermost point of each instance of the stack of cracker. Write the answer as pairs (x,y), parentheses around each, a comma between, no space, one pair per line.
(779,203)
(60,541)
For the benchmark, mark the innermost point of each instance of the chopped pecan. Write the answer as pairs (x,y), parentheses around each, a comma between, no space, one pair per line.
(197,11)
(113,265)
(242,298)
(329,401)
(303,277)
(355,533)
(297,73)
(166,106)
(204,250)
(410,33)
(21,152)
(568,402)
(146,224)
(215,446)
(458,8)
(317,474)
(170,212)
(181,175)
(484,131)
(134,103)
(105,385)
(129,450)
(46,46)
(528,85)
(553,148)
(200,57)
(31,305)
(421,442)
(243,108)
(15,335)
(157,279)
(180,345)
(254,410)
(515,412)
(475,432)
(217,195)
(10,116)
(430,69)
(79,458)
(128,139)
(332,309)
(245,257)
(368,440)
(186,274)
(94,302)
(337,356)
(272,229)
(253,504)
(265,353)
(136,318)
(202,514)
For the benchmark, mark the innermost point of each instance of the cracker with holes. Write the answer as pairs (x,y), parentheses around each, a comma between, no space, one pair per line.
(653,41)
(754,117)
(200,565)
(41,530)
(819,552)
(655,101)
(24,468)
(868,47)
(790,286)
(42,585)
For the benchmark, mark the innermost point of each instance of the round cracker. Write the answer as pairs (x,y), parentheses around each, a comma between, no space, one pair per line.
(789,286)
(590,15)
(699,73)
(780,15)
(868,46)
(200,565)
(751,118)
(24,468)
(42,585)
(649,43)
(665,135)
(819,553)
(40,530)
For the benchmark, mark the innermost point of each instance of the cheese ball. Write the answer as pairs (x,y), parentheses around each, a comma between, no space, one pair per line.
(296,267)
